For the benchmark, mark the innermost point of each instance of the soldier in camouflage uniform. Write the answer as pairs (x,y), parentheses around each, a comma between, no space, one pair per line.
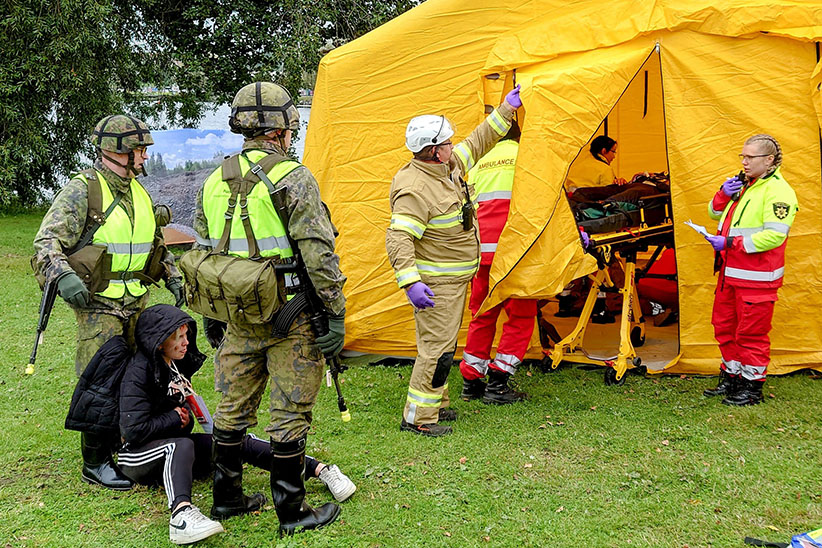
(250,356)
(121,143)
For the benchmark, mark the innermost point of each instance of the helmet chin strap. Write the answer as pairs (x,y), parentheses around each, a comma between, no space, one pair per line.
(128,166)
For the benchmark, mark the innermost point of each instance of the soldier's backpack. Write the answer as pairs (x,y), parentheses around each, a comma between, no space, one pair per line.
(226,287)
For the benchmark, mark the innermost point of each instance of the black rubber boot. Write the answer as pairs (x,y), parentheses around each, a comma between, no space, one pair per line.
(726,386)
(227,458)
(747,393)
(288,491)
(498,391)
(601,314)
(98,466)
(472,389)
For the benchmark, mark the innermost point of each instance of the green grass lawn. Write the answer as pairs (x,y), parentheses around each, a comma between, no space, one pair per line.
(651,463)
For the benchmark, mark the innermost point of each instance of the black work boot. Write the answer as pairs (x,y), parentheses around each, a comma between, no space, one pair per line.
(566,307)
(227,458)
(98,466)
(288,490)
(726,386)
(747,393)
(472,389)
(432,430)
(498,391)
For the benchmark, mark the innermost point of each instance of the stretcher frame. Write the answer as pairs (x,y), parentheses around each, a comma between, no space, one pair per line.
(608,248)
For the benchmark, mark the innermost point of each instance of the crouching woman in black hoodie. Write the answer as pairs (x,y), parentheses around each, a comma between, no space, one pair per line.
(156,426)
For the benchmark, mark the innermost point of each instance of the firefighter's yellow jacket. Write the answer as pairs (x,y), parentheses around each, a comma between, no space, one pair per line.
(426,240)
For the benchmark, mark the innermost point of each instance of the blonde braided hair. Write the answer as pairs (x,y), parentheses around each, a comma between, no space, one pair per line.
(768,145)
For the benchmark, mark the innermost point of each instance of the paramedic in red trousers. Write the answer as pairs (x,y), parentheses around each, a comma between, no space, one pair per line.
(755,216)
(493,179)
(433,246)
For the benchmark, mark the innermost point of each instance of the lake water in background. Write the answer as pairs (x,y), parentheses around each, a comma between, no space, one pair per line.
(211,138)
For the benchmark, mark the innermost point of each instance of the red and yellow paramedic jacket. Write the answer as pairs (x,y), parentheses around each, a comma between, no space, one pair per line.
(757,227)
(493,180)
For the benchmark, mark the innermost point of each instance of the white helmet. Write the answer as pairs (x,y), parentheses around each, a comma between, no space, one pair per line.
(425,130)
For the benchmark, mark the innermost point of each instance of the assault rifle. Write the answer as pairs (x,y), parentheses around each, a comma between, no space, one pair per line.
(46,306)
(306,299)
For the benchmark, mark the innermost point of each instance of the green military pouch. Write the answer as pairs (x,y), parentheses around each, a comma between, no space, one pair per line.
(232,289)
(93,264)
(155,269)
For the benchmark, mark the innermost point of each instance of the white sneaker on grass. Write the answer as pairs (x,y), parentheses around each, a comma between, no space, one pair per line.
(190,525)
(338,483)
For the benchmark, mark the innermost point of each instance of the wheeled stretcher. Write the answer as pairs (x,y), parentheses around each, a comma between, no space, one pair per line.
(621,247)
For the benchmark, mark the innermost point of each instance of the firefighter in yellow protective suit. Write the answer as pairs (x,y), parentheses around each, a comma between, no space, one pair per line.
(433,245)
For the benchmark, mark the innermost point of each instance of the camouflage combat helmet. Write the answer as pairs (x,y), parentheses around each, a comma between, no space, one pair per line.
(120,133)
(261,107)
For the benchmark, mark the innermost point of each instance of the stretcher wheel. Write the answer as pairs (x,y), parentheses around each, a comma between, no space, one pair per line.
(610,378)
(546,365)
(637,336)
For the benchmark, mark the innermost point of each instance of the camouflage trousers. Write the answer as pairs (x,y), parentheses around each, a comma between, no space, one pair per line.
(248,358)
(99,323)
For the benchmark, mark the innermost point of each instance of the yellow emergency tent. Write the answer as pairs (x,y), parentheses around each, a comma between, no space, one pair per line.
(682,84)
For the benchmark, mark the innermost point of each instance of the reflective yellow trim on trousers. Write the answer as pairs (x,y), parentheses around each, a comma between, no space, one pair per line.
(421,399)
(447,268)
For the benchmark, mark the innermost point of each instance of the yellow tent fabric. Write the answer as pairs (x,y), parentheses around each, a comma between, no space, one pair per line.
(716,75)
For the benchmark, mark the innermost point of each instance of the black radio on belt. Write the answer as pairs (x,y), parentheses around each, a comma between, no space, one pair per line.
(467,214)
(467,210)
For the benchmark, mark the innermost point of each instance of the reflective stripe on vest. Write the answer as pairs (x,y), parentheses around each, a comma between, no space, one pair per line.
(128,244)
(265,222)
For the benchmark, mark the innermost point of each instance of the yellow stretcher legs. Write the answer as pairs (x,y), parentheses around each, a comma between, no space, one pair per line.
(631,327)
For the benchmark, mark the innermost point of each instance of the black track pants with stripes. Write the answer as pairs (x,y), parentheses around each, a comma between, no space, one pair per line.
(175,462)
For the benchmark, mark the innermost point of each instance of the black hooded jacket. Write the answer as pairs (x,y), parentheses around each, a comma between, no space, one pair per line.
(94,403)
(146,410)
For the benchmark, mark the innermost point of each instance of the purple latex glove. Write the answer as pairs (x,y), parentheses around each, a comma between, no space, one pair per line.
(419,293)
(586,240)
(731,186)
(717,242)
(512,98)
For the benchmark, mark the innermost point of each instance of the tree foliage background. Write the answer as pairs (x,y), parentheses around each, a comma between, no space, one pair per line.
(67,63)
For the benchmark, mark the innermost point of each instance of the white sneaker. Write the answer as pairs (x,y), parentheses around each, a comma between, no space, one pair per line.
(190,525)
(337,482)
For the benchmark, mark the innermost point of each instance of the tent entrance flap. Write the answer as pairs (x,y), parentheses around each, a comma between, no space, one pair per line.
(623,96)
(566,98)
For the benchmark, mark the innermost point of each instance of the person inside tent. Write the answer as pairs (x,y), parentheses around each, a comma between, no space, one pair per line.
(591,176)
(755,211)
(156,425)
